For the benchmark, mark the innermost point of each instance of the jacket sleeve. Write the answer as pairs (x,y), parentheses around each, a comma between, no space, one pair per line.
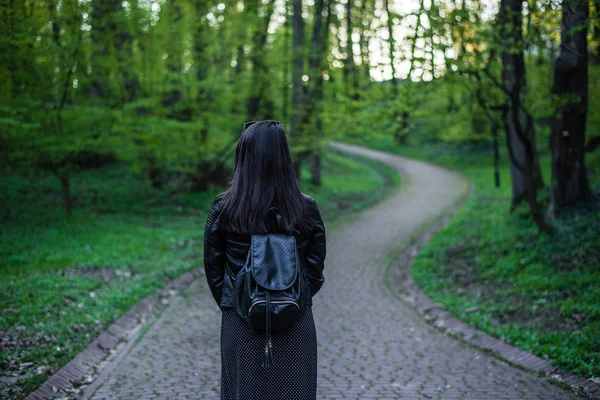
(214,253)
(315,251)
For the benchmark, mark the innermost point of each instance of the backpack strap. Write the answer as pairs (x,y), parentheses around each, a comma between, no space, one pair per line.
(268,361)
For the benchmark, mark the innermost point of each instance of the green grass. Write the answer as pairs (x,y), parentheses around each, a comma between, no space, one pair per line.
(64,280)
(494,270)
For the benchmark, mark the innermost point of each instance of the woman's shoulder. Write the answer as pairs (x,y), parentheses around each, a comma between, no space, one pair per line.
(309,199)
(216,206)
(217,202)
(312,205)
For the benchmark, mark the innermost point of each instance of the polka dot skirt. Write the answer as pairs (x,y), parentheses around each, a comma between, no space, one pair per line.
(293,376)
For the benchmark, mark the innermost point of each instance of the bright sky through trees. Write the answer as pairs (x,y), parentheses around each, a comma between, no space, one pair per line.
(378,49)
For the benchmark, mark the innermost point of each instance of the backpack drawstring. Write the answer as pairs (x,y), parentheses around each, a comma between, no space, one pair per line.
(268,361)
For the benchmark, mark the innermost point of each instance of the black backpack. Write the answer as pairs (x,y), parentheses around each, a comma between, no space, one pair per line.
(270,291)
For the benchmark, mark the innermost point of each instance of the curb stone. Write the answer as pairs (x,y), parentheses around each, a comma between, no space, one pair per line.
(402,282)
(73,378)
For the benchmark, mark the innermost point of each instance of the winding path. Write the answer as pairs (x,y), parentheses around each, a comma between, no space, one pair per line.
(371,346)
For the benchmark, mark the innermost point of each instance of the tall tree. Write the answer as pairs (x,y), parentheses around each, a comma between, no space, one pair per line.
(297,74)
(285,84)
(260,103)
(130,85)
(392,45)
(112,53)
(174,93)
(317,62)
(415,39)
(350,69)
(202,63)
(16,49)
(567,140)
(103,19)
(596,31)
(366,18)
(518,121)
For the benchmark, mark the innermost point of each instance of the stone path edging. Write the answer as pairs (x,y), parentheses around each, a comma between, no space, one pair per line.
(73,378)
(406,288)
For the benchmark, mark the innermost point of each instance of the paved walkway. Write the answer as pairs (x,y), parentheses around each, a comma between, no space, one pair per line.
(371,346)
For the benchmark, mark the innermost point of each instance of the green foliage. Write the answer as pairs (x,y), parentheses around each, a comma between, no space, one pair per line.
(169,150)
(48,139)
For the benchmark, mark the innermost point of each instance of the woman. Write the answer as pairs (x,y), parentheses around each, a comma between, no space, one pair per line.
(264,197)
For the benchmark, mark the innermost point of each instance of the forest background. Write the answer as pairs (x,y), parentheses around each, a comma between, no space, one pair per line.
(118,123)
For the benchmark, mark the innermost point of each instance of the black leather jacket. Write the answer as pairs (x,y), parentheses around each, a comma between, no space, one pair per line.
(225,254)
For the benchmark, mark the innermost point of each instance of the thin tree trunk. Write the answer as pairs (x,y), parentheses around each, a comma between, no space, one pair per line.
(567,141)
(318,62)
(9,23)
(392,45)
(297,86)
(315,166)
(350,73)
(67,60)
(202,64)
(365,18)
(65,182)
(413,45)
(286,64)
(102,20)
(259,88)
(174,94)
(130,85)
(433,16)
(596,33)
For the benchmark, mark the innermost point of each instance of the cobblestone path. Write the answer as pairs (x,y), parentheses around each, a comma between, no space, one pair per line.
(371,345)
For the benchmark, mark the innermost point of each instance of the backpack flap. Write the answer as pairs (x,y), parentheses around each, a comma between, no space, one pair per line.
(274,260)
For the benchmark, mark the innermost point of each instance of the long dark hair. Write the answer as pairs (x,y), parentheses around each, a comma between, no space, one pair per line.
(263,178)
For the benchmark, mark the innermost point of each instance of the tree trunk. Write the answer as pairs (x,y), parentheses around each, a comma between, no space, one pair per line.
(297,85)
(567,140)
(402,134)
(202,63)
(65,182)
(350,71)
(124,47)
(365,18)
(315,168)
(259,88)
(61,171)
(399,136)
(518,122)
(413,46)
(174,61)
(286,64)
(317,64)
(596,33)
(10,25)
(102,19)
(392,45)
(110,29)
